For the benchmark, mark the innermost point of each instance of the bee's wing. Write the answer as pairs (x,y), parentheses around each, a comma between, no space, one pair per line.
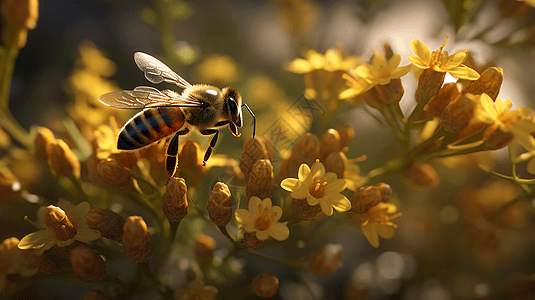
(156,71)
(146,96)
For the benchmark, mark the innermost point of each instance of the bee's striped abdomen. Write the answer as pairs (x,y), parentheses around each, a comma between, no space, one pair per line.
(149,126)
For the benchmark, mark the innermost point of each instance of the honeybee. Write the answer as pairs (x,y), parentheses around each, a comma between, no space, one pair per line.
(165,112)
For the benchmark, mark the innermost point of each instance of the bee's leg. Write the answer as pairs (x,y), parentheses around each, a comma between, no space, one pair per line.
(215,132)
(171,157)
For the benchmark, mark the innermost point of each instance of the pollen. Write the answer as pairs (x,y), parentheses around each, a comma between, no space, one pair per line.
(437,58)
(379,215)
(317,188)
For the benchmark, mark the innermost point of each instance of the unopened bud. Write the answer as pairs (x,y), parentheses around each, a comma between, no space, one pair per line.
(87,265)
(116,174)
(330,142)
(253,150)
(305,151)
(62,160)
(390,93)
(429,83)
(422,175)
(204,248)
(386,191)
(304,211)
(495,138)
(251,241)
(327,261)
(43,139)
(18,16)
(219,206)
(458,113)
(92,172)
(108,222)
(266,285)
(372,99)
(346,135)
(137,243)
(58,222)
(388,50)
(261,180)
(96,295)
(489,83)
(447,94)
(175,201)
(365,198)
(335,162)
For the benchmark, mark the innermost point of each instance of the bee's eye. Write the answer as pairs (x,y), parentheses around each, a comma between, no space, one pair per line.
(233,107)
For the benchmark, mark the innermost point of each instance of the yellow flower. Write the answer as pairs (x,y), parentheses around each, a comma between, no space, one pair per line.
(263,218)
(106,139)
(13,261)
(196,290)
(489,112)
(380,71)
(333,60)
(440,61)
(318,187)
(47,238)
(379,223)
(218,68)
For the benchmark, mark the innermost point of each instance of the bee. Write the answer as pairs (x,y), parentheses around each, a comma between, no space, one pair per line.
(201,106)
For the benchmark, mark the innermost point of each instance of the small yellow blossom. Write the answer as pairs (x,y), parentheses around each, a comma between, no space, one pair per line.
(263,218)
(45,239)
(380,71)
(379,223)
(440,61)
(333,60)
(318,187)
(489,112)
(196,290)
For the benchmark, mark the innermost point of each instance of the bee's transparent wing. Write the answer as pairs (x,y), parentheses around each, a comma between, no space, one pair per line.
(146,96)
(156,71)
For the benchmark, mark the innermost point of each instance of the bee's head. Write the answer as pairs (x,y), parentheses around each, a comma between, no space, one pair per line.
(233,104)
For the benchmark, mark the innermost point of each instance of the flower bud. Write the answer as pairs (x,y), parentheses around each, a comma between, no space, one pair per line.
(219,207)
(390,93)
(388,50)
(92,172)
(58,222)
(372,99)
(489,83)
(386,191)
(204,248)
(266,285)
(115,174)
(335,162)
(10,187)
(347,133)
(87,265)
(43,140)
(253,150)
(175,201)
(327,261)
(304,211)
(447,94)
(365,198)
(422,175)
(137,243)
(330,142)
(429,83)
(305,151)
(108,222)
(261,180)
(458,113)
(62,160)
(96,295)
(251,241)
(495,139)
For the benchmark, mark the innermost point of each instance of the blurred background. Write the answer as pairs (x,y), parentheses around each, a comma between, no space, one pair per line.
(436,253)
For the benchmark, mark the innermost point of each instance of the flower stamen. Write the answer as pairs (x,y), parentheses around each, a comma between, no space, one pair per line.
(317,188)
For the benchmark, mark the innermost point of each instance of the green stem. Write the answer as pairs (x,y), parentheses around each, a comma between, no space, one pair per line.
(286,263)
(391,167)
(478,148)
(10,124)
(437,135)
(8,57)
(415,113)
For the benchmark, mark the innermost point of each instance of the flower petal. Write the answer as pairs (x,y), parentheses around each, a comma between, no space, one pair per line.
(254,204)
(262,235)
(326,207)
(385,231)
(421,51)
(37,240)
(339,202)
(394,61)
(279,231)
(243,216)
(312,201)
(289,184)
(418,62)
(370,232)
(300,191)
(457,59)
(87,234)
(336,186)
(277,211)
(267,204)
(77,214)
(318,170)
(300,66)
(303,172)
(401,71)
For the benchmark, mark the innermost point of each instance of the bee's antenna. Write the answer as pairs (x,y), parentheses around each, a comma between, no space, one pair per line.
(254,118)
